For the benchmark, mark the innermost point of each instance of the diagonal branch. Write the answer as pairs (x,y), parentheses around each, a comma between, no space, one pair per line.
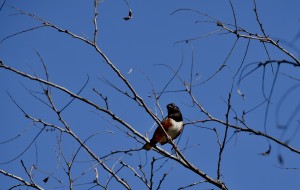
(26,183)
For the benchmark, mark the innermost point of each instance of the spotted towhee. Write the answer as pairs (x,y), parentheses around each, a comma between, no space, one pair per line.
(172,124)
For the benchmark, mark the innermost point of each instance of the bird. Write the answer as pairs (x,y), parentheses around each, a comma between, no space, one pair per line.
(172,124)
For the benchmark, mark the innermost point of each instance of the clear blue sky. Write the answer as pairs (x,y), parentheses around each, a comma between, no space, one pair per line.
(139,48)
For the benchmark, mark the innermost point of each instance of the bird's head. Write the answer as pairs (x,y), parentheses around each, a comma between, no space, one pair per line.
(172,108)
(174,112)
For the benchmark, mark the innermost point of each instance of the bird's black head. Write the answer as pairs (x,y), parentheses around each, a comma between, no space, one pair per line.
(172,108)
(174,112)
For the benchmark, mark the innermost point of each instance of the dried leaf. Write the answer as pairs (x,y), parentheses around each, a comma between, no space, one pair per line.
(129,15)
(46,180)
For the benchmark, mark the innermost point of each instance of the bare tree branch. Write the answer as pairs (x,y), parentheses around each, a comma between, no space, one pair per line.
(24,182)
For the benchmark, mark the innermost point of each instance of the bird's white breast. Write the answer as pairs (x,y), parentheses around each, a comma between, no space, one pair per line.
(175,128)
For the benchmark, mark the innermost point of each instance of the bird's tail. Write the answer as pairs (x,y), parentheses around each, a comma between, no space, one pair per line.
(149,145)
